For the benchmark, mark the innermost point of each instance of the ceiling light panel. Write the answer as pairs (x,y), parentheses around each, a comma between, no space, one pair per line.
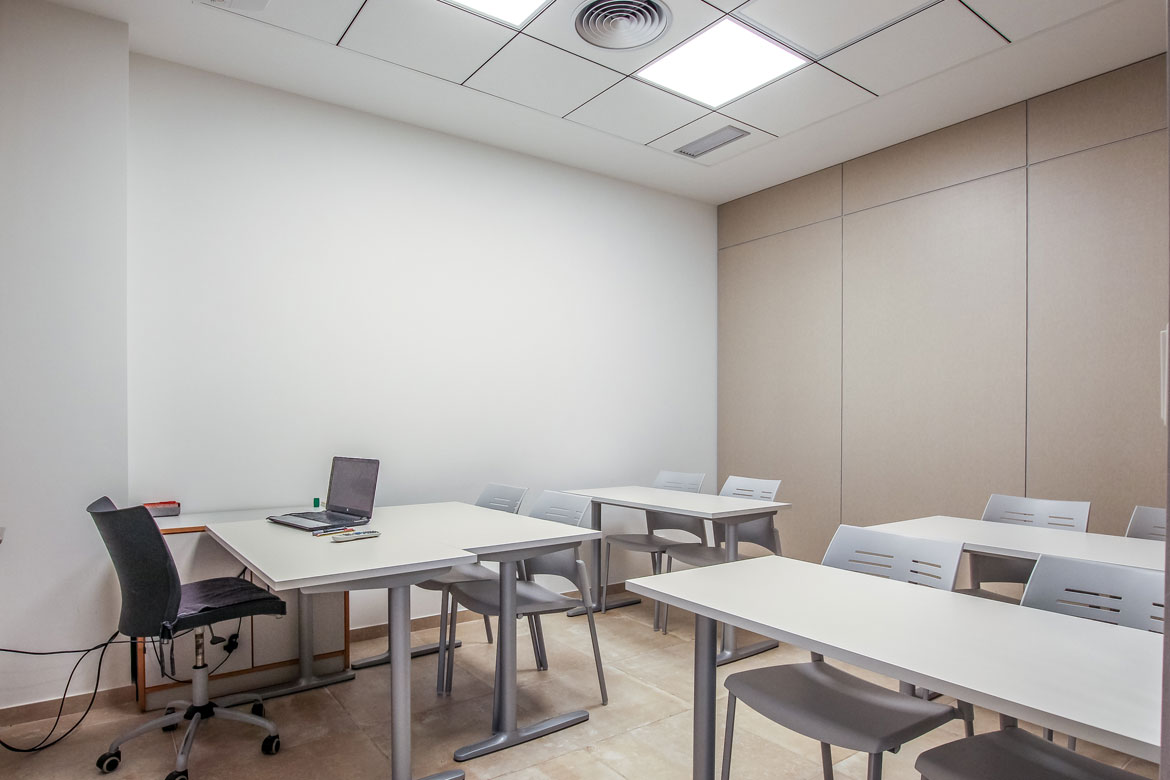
(557,25)
(637,111)
(703,127)
(797,100)
(516,13)
(822,26)
(721,63)
(323,21)
(927,43)
(427,36)
(534,74)
(1019,20)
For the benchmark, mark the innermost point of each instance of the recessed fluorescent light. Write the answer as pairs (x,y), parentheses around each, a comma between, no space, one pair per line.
(514,13)
(721,63)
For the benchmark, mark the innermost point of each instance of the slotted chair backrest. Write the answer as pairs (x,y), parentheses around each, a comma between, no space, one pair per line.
(1147,522)
(762,530)
(564,508)
(505,498)
(679,480)
(1038,512)
(663,521)
(929,562)
(1107,592)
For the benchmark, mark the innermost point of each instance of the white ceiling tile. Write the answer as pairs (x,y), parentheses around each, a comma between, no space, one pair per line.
(556,26)
(534,74)
(1019,20)
(797,100)
(705,126)
(819,27)
(637,111)
(427,36)
(927,43)
(727,5)
(324,21)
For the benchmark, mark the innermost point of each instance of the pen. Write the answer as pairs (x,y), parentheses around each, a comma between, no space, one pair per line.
(328,531)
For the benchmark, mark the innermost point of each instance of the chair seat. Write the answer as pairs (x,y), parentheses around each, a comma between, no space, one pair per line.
(1011,754)
(643,542)
(223,598)
(990,595)
(531,599)
(829,705)
(464,572)
(697,554)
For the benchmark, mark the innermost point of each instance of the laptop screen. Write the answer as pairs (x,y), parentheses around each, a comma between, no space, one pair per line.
(352,483)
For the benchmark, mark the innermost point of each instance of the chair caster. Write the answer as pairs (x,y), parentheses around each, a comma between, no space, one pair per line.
(173,726)
(269,747)
(108,762)
(258,709)
(177,775)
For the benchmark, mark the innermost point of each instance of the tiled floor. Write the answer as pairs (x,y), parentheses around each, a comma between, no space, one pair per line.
(342,731)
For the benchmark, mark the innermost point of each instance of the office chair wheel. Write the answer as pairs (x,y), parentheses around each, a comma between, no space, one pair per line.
(258,709)
(173,726)
(269,747)
(177,775)
(108,762)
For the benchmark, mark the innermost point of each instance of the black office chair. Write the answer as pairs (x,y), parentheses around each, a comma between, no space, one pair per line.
(155,603)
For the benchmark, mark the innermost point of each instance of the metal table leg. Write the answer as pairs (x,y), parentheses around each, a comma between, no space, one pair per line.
(730,651)
(384,658)
(704,728)
(595,546)
(307,679)
(506,732)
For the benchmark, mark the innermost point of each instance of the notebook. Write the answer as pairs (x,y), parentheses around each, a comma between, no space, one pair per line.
(350,502)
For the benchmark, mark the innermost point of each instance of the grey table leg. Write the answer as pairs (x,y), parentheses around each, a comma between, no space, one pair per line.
(307,679)
(704,728)
(384,658)
(507,733)
(399,629)
(730,650)
(595,597)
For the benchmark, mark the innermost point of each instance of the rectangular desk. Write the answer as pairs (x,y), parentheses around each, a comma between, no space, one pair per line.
(1021,541)
(1091,680)
(727,510)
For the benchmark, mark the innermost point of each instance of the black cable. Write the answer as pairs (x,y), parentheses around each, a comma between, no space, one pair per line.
(44,743)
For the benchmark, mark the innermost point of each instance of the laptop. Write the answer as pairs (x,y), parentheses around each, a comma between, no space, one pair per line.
(350,502)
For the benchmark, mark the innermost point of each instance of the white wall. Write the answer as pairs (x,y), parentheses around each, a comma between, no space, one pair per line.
(63,104)
(306,280)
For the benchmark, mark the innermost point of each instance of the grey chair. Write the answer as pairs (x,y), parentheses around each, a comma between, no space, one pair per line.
(533,599)
(832,706)
(1020,510)
(652,542)
(156,603)
(759,531)
(1147,522)
(1011,754)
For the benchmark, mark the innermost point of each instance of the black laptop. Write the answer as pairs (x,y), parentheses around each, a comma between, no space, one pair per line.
(352,482)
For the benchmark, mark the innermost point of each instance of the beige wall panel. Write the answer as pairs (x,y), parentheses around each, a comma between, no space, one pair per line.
(934,351)
(780,375)
(1116,105)
(789,205)
(1097,238)
(988,144)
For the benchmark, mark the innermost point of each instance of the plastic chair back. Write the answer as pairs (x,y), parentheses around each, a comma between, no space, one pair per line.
(564,508)
(747,487)
(1147,522)
(679,480)
(762,530)
(1106,592)
(1038,512)
(505,498)
(929,562)
(147,576)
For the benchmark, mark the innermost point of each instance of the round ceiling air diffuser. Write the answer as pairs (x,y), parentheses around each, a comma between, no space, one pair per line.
(622,24)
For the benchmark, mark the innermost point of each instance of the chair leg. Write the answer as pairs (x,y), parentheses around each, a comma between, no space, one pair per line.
(188,742)
(874,770)
(656,568)
(605,575)
(827,760)
(536,634)
(453,620)
(246,717)
(583,584)
(1048,735)
(968,712)
(1072,743)
(440,675)
(666,607)
(487,627)
(728,734)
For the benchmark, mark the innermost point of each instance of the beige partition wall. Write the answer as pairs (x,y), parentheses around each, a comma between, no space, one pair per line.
(1002,283)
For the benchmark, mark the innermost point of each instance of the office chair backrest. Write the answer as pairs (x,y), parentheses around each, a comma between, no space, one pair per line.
(904,558)
(505,498)
(1107,592)
(1147,522)
(564,508)
(762,530)
(679,480)
(1038,512)
(146,572)
(746,487)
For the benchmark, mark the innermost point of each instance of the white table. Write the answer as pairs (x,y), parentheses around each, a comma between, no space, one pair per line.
(1087,679)
(1021,541)
(727,510)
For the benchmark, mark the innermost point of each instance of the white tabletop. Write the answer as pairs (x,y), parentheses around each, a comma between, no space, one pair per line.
(1027,542)
(1088,679)
(694,504)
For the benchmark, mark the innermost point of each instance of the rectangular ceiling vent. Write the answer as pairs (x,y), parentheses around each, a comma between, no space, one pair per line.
(713,141)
